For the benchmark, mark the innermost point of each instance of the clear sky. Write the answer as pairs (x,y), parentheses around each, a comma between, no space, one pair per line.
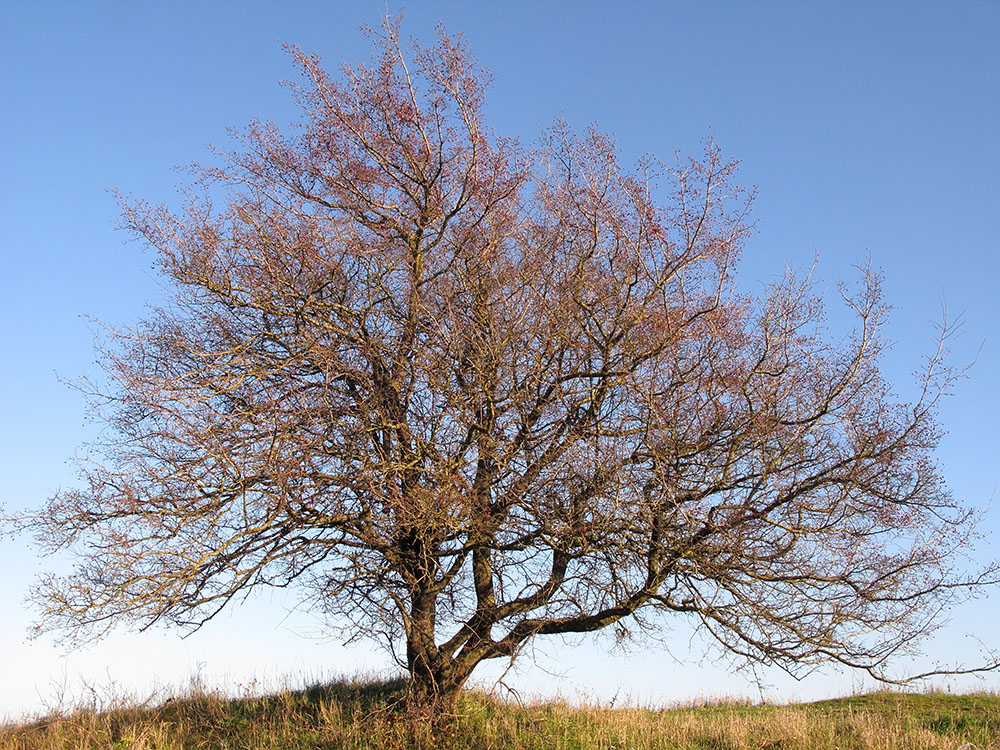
(867,127)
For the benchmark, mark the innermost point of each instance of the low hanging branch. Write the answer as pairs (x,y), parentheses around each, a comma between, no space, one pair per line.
(462,394)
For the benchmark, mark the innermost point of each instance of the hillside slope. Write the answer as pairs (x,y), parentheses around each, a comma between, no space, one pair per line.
(365,716)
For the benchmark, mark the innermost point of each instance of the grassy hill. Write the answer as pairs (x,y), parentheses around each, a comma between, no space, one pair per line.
(361,715)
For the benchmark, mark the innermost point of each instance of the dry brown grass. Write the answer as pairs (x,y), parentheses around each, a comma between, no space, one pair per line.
(363,716)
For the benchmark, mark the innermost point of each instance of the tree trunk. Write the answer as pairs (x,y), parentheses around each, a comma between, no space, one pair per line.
(434,680)
(433,692)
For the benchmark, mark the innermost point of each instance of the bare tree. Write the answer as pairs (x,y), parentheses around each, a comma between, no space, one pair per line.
(461,394)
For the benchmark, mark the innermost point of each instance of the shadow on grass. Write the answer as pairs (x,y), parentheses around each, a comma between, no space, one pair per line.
(364,695)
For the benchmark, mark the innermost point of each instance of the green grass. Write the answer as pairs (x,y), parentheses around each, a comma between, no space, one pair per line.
(368,715)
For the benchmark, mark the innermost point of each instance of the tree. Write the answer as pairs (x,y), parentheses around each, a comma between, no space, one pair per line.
(462,394)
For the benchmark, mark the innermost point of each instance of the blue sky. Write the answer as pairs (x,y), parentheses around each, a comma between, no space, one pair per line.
(865,127)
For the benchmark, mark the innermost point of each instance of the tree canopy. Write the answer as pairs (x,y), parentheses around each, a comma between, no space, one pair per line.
(461,393)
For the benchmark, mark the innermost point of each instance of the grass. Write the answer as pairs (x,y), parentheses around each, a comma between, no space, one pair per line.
(363,715)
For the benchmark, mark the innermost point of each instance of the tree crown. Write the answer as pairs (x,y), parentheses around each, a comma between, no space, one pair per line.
(464,393)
